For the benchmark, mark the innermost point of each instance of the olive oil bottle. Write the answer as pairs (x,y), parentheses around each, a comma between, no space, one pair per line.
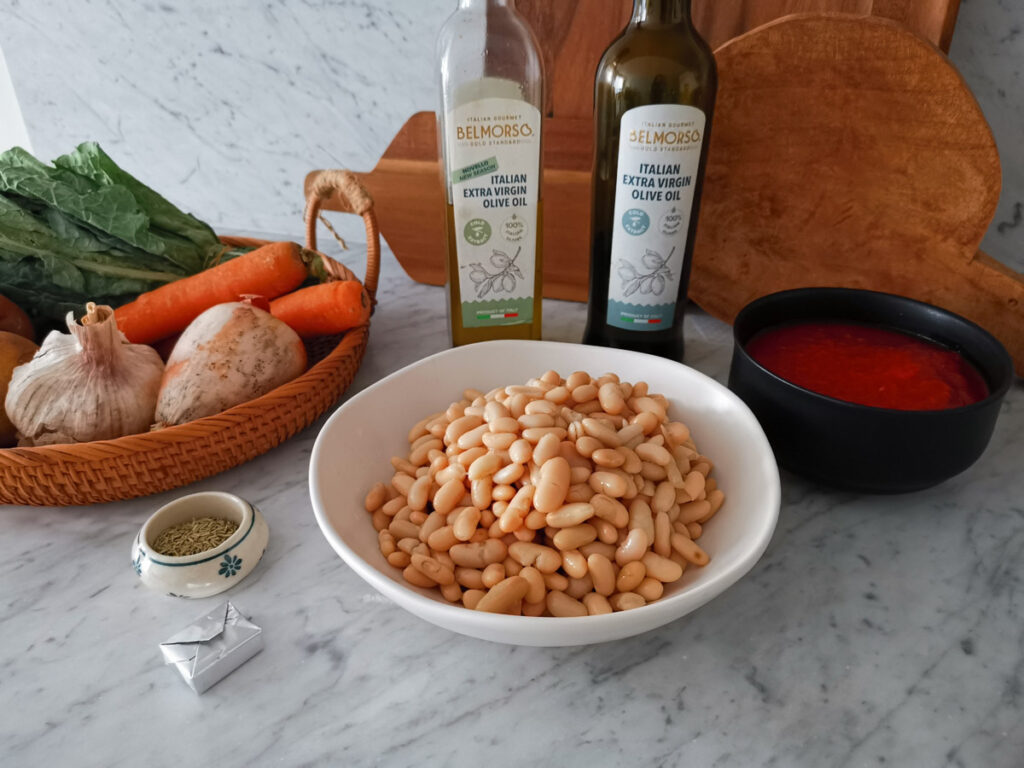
(489,130)
(653,100)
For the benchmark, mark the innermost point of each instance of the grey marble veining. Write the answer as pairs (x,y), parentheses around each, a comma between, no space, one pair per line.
(988,49)
(875,631)
(225,106)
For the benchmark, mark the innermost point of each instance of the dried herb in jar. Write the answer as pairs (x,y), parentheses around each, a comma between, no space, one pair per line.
(194,536)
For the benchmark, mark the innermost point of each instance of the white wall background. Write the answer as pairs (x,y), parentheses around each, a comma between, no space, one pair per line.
(225,105)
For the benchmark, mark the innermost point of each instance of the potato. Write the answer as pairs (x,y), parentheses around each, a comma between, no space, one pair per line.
(14,350)
(230,354)
(14,320)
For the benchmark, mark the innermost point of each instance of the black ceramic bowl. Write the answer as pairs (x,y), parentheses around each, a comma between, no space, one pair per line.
(859,447)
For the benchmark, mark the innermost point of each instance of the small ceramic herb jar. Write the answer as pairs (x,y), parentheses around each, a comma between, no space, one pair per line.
(205,573)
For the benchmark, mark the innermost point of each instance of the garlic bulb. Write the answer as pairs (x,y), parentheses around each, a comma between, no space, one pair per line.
(91,384)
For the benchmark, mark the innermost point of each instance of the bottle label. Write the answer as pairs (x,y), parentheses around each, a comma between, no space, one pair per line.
(494,168)
(659,157)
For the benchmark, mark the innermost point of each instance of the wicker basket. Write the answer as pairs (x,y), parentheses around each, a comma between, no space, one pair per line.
(137,465)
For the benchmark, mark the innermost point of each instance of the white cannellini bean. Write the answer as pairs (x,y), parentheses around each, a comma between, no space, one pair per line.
(566,497)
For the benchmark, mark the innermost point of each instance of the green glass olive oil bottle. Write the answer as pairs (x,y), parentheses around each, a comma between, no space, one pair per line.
(489,130)
(653,100)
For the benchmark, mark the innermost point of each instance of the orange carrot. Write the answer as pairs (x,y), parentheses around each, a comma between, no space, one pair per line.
(324,310)
(269,271)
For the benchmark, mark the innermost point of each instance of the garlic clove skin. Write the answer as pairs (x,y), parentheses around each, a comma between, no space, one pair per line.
(88,384)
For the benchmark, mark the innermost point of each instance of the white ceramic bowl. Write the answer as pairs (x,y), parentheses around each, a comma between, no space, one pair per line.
(354,447)
(206,573)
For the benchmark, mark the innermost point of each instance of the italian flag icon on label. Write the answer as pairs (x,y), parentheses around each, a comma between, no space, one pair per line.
(506,311)
(640,320)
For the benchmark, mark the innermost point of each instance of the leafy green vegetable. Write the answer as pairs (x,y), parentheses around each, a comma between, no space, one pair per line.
(51,234)
(48,290)
(86,230)
(170,223)
(110,209)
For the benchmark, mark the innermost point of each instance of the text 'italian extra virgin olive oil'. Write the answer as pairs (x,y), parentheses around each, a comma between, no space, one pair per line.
(653,100)
(489,129)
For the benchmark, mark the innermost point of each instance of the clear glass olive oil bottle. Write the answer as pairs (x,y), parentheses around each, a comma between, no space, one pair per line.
(653,100)
(489,130)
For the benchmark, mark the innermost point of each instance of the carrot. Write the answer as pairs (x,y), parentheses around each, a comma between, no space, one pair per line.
(324,310)
(269,271)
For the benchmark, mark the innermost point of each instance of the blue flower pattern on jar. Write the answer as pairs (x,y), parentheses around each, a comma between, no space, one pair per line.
(230,565)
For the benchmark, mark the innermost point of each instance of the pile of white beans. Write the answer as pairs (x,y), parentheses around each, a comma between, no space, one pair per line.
(560,497)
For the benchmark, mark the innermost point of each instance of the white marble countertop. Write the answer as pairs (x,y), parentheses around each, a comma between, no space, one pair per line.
(875,631)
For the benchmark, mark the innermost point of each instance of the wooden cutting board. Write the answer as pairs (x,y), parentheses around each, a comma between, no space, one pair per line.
(847,151)
(721,20)
(573,34)
(905,182)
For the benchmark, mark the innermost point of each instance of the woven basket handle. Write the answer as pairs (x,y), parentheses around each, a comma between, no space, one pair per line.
(350,195)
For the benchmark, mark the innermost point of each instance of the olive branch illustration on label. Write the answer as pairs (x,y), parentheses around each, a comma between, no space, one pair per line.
(502,281)
(653,282)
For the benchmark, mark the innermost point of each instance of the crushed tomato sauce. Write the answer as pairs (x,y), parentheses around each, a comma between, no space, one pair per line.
(868,365)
